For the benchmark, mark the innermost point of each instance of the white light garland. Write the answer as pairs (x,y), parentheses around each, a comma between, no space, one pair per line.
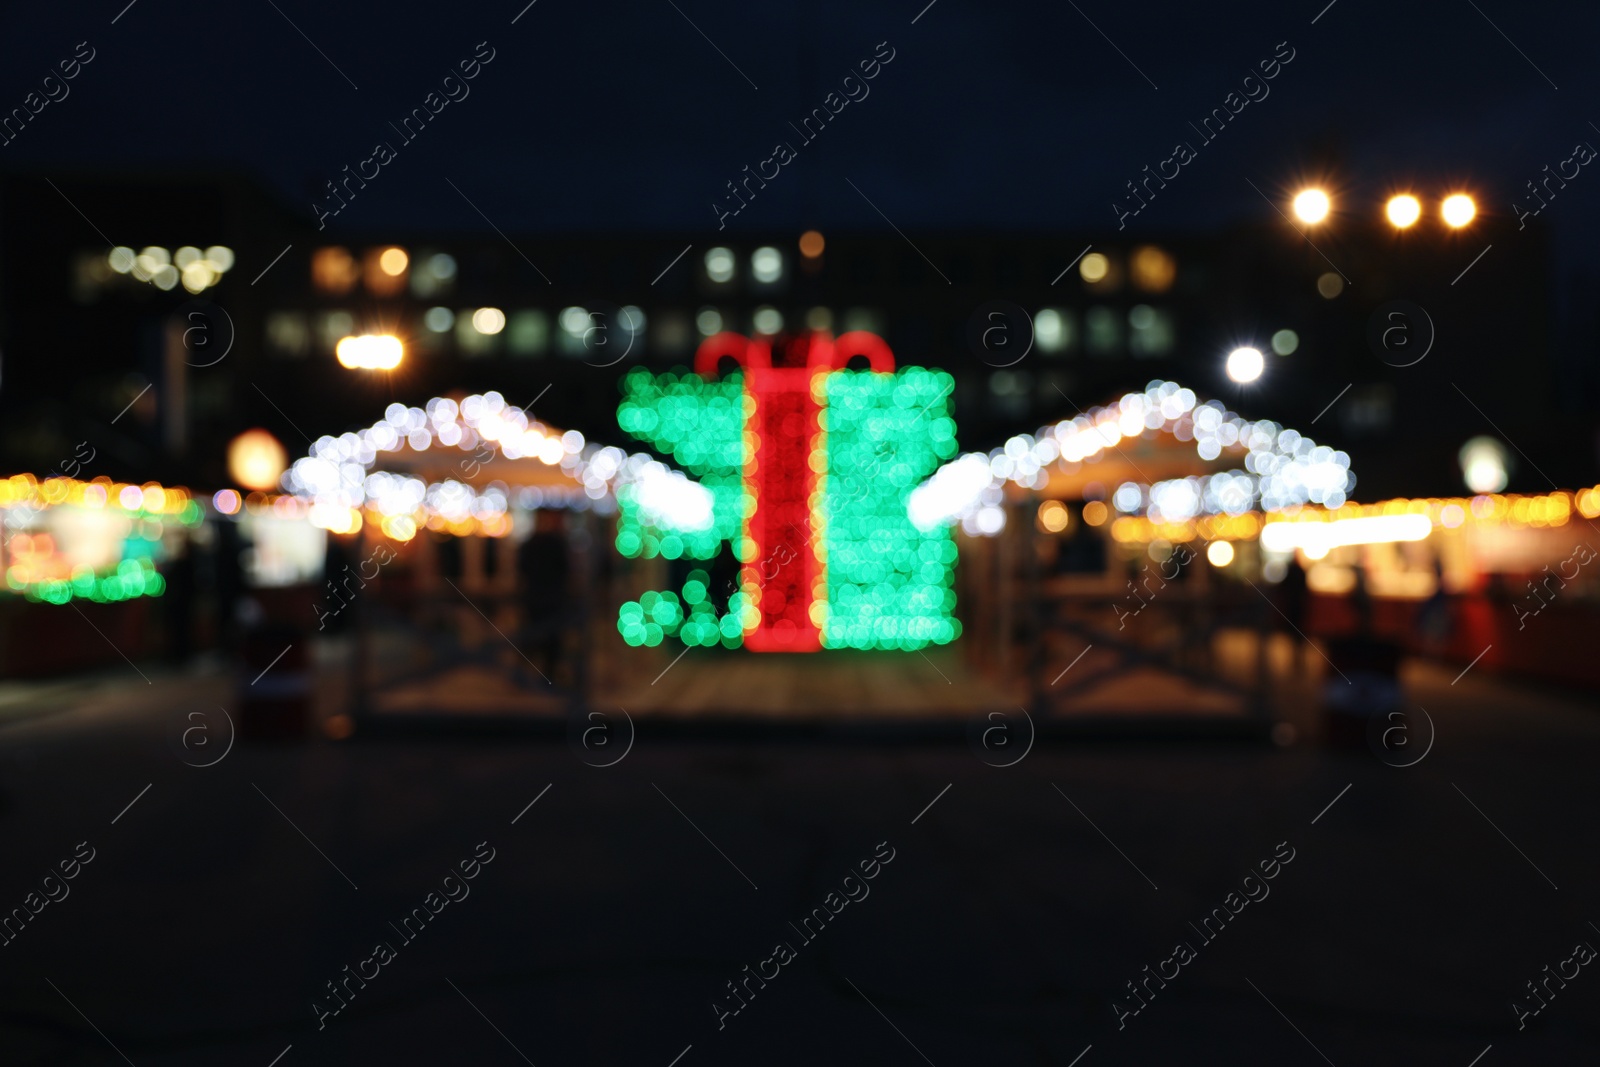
(1281,468)
(338,475)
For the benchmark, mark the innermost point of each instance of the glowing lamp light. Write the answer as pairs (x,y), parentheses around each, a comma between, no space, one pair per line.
(720,265)
(767,265)
(226,501)
(1458,210)
(1484,465)
(1245,365)
(1316,539)
(811,244)
(370,352)
(490,320)
(1219,553)
(1311,205)
(394,261)
(1403,210)
(256,461)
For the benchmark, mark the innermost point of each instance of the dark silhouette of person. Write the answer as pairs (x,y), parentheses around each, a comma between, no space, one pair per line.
(1435,618)
(335,593)
(1296,597)
(1083,551)
(180,576)
(1361,600)
(543,569)
(228,575)
(449,557)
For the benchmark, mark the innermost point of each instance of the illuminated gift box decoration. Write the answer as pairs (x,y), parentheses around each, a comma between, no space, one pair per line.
(809,466)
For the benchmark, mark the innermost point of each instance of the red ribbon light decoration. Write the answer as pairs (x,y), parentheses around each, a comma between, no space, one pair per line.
(785,449)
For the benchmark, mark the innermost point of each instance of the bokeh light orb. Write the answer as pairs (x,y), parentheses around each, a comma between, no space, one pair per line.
(1458,210)
(1245,365)
(1403,210)
(256,460)
(1311,205)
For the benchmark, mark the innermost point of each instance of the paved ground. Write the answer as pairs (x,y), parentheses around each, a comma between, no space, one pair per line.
(617,907)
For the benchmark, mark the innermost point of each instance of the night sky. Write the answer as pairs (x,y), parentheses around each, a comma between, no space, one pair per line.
(612,118)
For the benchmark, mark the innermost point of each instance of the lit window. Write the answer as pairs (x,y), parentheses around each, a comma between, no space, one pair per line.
(333,270)
(1008,392)
(1150,331)
(153,258)
(1052,330)
(767,265)
(434,274)
(768,320)
(383,271)
(719,265)
(1102,331)
(671,333)
(1153,269)
(574,320)
(393,261)
(489,320)
(334,326)
(575,324)
(469,339)
(196,273)
(288,333)
(869,319)
(631,321)
(528,333)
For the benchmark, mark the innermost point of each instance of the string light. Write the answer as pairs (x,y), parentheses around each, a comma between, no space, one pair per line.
(38,569)
(339,482)
(1281,467)
(888,582)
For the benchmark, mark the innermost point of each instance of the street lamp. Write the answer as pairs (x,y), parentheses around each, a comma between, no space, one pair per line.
(1245,365)
(370,352)
(1311,205)
(1403,210)
(1458,210)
